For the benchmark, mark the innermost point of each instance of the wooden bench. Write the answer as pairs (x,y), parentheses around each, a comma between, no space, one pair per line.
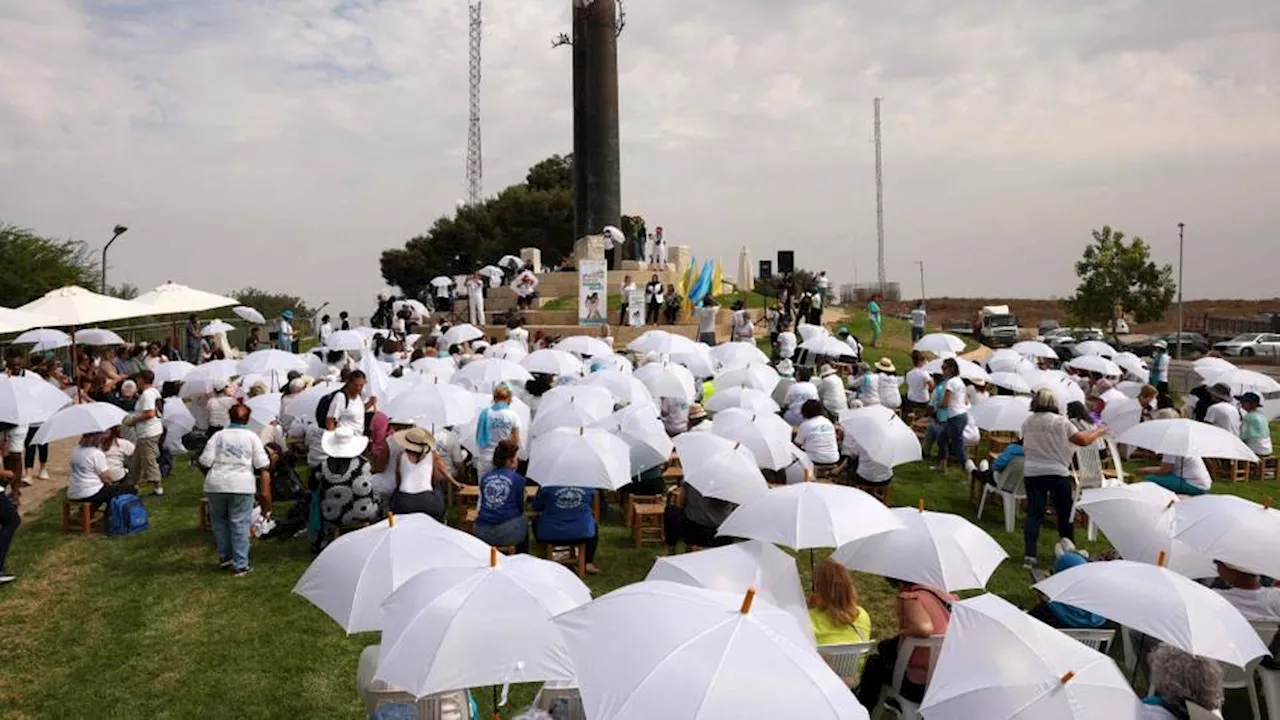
(87,516)
(1269,468)
(646,523)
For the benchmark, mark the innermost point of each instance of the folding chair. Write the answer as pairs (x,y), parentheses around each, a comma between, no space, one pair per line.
(846,659)
(1099,640)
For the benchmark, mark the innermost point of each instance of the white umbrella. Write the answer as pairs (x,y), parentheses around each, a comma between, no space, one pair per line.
(667,650)
(462,333)
(483,375)
(1187,438)
(1001,413)
(1096,364)
(347,340)
(740,567)
(552,362)
(78,420)
(766,435)
(624,387)
(1034,349)
(263,410)
(177,420)
(433,404)
(98,336)
(173,371)
(698,360)
(662,343)
(580,457)
(1243,381)
(353,575)
(75,306)
(1138,520)
(1130,363)
(443,368)
(937,550)
(598,399)
(751,400)
(249,314)
(1161,603)
(754,376)
(441,281)
(642,431)
(939,343)
(1093,347)
(216,327)
(29,400)
(968,370)
(200,380)
(12,321)
(1130,388)
(827,345)
(1231,529)
(172,298)
(1064,389)
(305,404)
(43,338)
(1207,367)
(416,307)
(737,354)
(1120,412)
(493,272)
(801,468)
(1005,360)
(881,434)
(614,362)
(1011,381)
(720,468)
(511,261)
(584,345)
(809,332)
(265,362)
(505,350)
(570,414)
(999,662)
(667,380)
(810,515)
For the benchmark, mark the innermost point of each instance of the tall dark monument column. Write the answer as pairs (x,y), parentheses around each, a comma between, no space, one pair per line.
(597,181)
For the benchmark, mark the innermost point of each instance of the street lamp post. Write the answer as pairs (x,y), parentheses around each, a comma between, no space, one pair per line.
(1178,351)
(118,230)
(921,264)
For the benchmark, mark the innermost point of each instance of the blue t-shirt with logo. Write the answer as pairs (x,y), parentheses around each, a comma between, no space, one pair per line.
(501,496)
(566,513)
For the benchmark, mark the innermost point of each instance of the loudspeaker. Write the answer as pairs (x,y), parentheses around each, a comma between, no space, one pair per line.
(786,262)
(766,269)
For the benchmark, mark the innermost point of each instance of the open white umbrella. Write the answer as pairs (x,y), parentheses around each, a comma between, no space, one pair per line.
(1187,438)
(1093,347)
(172,298)
(200,380)
(1130,388)
(46,338)
(999,662)
(584,345)
(72,305)
(492,272)
(216,327)
(740,567)
(177,420)
(828,346)
(433,404)
(698,361)
(662,342)
(347,340)
(880,433)
(642,431)
(1208,367)
(265,362)
(598,399)
(12,321)
(1130,363)
(552,362)
(766,435)
(443,368)
(809,332)
(755,376)
(666,380)
(29,400)
(353,575)
(1161,603)
(624,387)
(801,468)
(569,414)
(968,370)
(77,420)
(660,649)
(441,281)
(305,404)
(1064,389)
(505,350)
(938,550)
(810,515)
(1034,349)
(737,354)
(1138,520)
(620,363)
(748,399)
(1011,381)
(1230,529)
(580,457)
(939,343)
(98,336)
(483,375)
(462,333)
(263,410)
(173,371)
(249,314)
(1001,413)
(720,468)
(1096,364)
(1005,360)
(1243,381)
(1120,411)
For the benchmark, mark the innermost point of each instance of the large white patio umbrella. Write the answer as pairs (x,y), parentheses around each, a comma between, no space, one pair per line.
(580,457)
(29,400)
(624,387)
(75,306)
(552,362)
(999,662)
(1138,520)
(810,515)
(433,404)
(938,550)
(939,343)
(77,420)
(1161,603)
(644,435)
(353,575)
(98,336)
(756,376)
(881,434)
(660,649)
(1034,349)
(584,345)
(766,435)
(483,375)
(449,628)
(743,398)
(666,380)
(1187,438)
(172,298)
(461,333)
(739,354)
(720,468)
(1001,413)
(1230,529)
(12,321)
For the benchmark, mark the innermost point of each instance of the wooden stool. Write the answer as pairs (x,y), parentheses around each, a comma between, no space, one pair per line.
(1269,467)
(1239,470)
(507,549)
(633,500)
(88,516)
(646,524)
(573,556)
(205,524)
(468,524)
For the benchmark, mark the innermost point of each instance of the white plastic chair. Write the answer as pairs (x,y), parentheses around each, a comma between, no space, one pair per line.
(903,708)
(1270,680)
(444,706)
(1088,473)
(1117,464)
(1099,640)
(846,659)
(1234,678)
(1009,484)
(565,695)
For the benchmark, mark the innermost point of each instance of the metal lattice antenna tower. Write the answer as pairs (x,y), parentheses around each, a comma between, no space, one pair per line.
(879,202)
(475,165)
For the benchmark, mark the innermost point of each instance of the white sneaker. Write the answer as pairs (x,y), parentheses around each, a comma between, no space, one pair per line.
(26,481)
(158,491)
(44,474)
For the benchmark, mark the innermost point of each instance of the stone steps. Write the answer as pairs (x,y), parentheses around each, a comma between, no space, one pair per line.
(621,334)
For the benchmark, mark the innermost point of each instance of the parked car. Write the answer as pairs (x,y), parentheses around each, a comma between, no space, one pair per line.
(1045,326)
(1192,344)
(1251,344)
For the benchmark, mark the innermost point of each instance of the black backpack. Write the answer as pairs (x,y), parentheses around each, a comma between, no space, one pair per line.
(322,409)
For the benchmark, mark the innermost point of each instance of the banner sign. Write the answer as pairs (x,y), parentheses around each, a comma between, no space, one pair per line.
(593,295)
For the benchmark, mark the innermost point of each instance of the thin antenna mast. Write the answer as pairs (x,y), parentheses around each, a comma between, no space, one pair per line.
(475,166)
(879,202)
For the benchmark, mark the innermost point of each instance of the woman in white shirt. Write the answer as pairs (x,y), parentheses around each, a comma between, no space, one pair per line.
(628,287)
(817,435)
(890,384)
(420,475)
(918,386)
(118,451)
(91,479)
(956,402)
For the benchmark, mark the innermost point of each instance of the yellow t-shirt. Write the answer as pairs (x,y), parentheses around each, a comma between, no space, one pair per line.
(829,633)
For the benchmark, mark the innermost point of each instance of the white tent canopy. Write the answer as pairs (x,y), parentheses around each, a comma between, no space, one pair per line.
(73,305)
(12,321)
(172,298)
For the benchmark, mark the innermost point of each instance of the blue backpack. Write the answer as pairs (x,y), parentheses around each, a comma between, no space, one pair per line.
(126,515)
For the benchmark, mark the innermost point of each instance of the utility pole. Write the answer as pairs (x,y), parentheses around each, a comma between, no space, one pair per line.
(118,230)
(921,264)
(475,166)
(1178,351)
(879,201)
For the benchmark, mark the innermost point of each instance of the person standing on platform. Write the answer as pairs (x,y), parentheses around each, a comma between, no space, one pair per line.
(475,299)
(661,244)
(628,287)
(653,298)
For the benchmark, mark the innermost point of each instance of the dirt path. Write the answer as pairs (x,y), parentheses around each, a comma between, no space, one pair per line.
(40,490)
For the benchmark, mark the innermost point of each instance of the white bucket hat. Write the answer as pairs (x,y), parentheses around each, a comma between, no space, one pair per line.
(786,369)
(343,443)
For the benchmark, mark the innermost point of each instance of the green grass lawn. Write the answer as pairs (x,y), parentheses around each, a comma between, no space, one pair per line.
(144,626)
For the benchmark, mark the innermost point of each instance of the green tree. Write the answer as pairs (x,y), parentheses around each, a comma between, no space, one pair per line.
(32,265)
(1119,277)
(554,173)
(124,291)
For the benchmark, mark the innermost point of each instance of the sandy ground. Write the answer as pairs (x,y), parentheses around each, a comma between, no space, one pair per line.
(40,490)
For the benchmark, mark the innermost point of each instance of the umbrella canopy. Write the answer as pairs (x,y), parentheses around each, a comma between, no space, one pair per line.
(78,420)
(755,376)
(938,550)
(642,431)
(766,435)
(433,404)
(881,434)
(968,370)
(751,400)
(172,298)
(619,363)
(177,420)
(43,338)
(263,410)
(584,345)
(1161,603)
(660,649)
(265,362)
(98,336)
(740,567)
(1138,520)
(216,327)
(809,332)
(1130,362)
(305,404)
(1129,388)
(72,305)
(493,272)
(698,360)
(552,362)
(173,371)
(505,350)
(1207,367)
(1096,364)
(597,399)
(828,346)
(12,321)
(462,333)
(416,307)
(1231,529)
(353,575)
(580,457)
(1243,381)
(661,342)
(569,414)
(483,375)
(1064,389)
(999,662)
(29,400)
(347,340)
(939,343)
(441,281)
(1187,438)
(200,380)
(1011,381)
(737,354)
(1005,360)
(458,627)
(624,387)
(1094,347)
(720,468)
(1034,349)
(1001,413)
(249,314)
(667,380)
(1121,412)
(801,468)
(443,368)
(810,515)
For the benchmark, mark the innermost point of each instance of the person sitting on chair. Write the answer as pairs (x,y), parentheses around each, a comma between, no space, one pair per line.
(565,517)
(922,612)
(818,436)
(1244,590)
(421,475)
(1060,615)
(834,612)
(500,518)
(1183,686)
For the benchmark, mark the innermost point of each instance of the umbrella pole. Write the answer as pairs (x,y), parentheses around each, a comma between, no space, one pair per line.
(811,586)
(75,364)
(496,716)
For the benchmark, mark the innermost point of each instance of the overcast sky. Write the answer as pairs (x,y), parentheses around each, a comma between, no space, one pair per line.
(285,143)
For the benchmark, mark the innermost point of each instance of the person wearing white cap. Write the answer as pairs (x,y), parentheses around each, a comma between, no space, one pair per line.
(890,385)
(346,489)
(218,404)
(1160,365)
(831,390)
